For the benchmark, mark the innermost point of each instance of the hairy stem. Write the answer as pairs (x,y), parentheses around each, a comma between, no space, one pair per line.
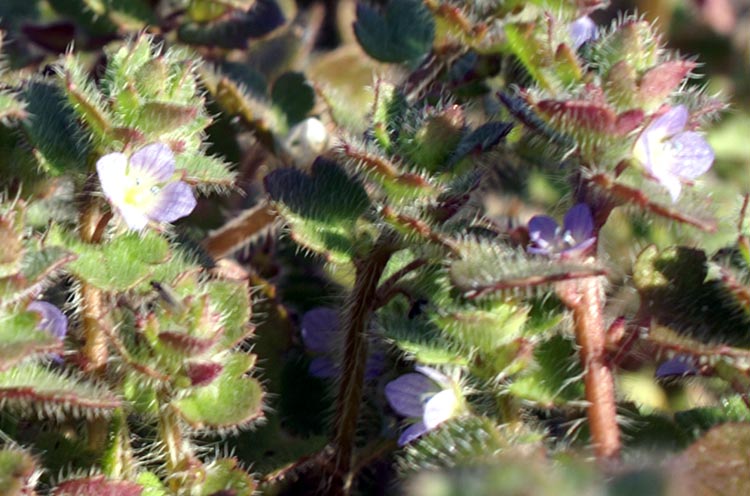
(360,306)
(585,298)
(180,460)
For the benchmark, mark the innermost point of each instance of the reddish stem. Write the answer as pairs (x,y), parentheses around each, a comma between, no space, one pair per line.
(585,298)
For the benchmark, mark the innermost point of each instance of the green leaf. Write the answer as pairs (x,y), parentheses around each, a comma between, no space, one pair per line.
(482,139)
(237,29)
(230,401)
(117,265)
(294,96)
(37,266)
(322,208)
(53,130)
(676,293)
(488,269)
(403,33)
(11,108)
(33,388)
(205,170)
(698,420)
(223,476)
(485,328)
(164,117)
(232,301)
(16,472)
(20,338)
(555,376)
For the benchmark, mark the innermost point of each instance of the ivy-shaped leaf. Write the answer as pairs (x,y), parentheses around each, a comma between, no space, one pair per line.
(404,32)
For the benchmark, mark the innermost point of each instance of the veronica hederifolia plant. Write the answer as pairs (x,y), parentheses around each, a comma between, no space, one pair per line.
(160,339)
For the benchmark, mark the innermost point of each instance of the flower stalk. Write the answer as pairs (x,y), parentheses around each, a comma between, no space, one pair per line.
(360,307)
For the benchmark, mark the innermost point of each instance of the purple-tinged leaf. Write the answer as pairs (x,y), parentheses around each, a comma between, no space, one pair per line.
(203,373)
(659,82)
(97,485)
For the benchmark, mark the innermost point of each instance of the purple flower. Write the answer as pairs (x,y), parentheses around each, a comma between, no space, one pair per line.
(428,397)
(52,320)
(320,333)
(679,366)
(143,188)
(574,238)
(670,154)
(581,30)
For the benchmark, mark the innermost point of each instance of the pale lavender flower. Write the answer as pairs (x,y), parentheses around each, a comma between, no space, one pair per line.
(573,238)
(52,320)
(143,188)
(428,397)
(321,334)
(670,154)
(581,30)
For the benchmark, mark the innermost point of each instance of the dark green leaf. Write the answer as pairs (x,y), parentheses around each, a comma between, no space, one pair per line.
(404,32)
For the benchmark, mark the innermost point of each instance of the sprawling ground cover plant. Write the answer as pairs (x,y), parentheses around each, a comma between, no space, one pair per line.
(422,247)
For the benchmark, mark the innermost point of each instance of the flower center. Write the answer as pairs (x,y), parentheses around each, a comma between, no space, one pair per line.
(140,192)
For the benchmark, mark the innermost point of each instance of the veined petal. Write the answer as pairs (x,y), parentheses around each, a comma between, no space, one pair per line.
(407,394)
(668,124)
(579,223)
(435,375)
(440,408)
(175,200)
(323,367)
(543,232)
(156,160)
(411,433)
(692,154)
(53,321)
(581,30)
(134,217)
(111,171)
(319,328)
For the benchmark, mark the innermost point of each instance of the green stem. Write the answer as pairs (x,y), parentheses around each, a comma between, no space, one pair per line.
(181,463)
(360,306)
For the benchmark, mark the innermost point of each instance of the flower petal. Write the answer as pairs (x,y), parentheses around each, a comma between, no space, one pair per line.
(323,368)
(678,366)
(406,394)
(668,124)
(319,329)
(693,155)
(435,375)
(581,30)
(579,223)
(111,171)
(52,320)
(440,408)
(134,217)
(411,433)
(175,200)
(543,232)
(156,160)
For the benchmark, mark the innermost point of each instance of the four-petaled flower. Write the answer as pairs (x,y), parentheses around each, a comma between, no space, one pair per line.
(581,30)
(142,188)
(428,397)
(671,155)
(573,238)
(321,335)
(52,320)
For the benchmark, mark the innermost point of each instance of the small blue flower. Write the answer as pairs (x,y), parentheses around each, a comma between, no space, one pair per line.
(574,238)
(671,155)
(581,30)
(679,366)
(52,320)
(321,333)
(428,397)
(142,188)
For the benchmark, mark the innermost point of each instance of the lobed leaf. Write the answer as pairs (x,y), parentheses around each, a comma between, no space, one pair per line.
(404,32)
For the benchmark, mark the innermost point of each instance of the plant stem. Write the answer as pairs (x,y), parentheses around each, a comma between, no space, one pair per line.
(360,306)
(585,298)
(180,461)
